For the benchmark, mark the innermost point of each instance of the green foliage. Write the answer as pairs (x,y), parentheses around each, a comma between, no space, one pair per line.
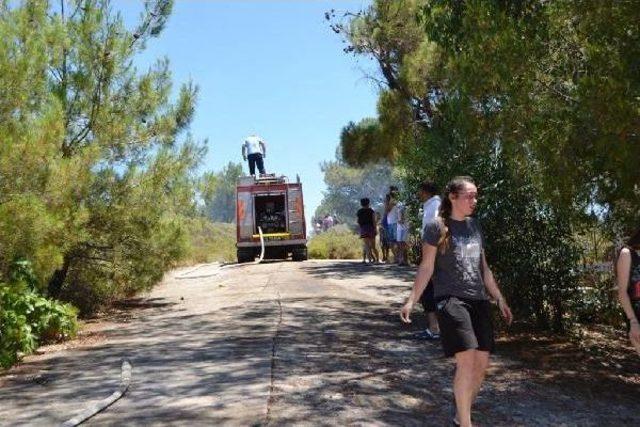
(362,143)
(97,173)
(28,319)
(559,87)
(219,192)
(390,33)
(596,300)
(538,101)
(556,83)
(346,185)
(209,242)
(530,246)
(338,242)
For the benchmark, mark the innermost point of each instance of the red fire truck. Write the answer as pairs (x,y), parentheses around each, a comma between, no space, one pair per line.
(274,206)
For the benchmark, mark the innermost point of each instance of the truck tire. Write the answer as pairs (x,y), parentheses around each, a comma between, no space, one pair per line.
(299,254)
(245,255)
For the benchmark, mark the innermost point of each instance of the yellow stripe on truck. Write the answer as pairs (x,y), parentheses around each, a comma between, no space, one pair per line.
(257,236)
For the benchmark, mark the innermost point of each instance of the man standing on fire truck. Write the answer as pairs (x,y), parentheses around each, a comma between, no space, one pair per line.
(254,149)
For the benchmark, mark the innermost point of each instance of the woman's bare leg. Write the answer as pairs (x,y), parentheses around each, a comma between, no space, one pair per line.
(464,383)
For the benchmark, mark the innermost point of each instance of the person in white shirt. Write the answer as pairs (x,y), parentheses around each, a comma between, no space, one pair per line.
(402,234)
(428,195)
(254,149)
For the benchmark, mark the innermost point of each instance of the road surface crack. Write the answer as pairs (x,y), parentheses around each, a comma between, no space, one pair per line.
(274,351)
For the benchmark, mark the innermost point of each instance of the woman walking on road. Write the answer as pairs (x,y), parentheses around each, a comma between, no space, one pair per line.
(628,276)
(453,255)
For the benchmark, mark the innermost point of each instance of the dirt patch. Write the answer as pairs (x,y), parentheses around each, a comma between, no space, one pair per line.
(597,361)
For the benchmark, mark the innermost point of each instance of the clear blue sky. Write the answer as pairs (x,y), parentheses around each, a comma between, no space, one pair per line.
(273,68)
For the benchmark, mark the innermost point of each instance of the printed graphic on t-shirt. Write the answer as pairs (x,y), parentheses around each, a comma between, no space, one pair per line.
(471,251)
(467,252)
(457,271)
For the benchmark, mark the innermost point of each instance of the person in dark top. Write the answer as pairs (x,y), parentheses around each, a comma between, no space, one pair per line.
(367,222)
(628,277)
(384,240)
(453,255)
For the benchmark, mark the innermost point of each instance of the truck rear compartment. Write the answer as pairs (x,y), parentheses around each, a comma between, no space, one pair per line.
(276,207)
(270,213)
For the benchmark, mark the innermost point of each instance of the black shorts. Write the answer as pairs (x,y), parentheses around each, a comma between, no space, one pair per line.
(367,231)
(428,299)
(464,325)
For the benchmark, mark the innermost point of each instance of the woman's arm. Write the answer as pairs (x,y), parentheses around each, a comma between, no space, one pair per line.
(425,271)
(493,289)
(623,268)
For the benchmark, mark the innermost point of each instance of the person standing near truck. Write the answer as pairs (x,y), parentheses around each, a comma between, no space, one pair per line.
(254,149)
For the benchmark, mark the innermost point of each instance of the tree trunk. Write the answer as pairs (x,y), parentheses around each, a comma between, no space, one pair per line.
(57,279)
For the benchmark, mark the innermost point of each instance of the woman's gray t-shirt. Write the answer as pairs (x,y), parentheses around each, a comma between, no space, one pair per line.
(458,271)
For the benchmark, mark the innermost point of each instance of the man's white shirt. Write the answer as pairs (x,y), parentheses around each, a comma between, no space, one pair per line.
(430,210)
(394,214)
(252,144)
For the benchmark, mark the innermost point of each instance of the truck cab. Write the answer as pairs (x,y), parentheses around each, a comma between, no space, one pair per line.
(276,207)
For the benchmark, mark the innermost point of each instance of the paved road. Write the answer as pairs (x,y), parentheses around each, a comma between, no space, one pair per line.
(313,343)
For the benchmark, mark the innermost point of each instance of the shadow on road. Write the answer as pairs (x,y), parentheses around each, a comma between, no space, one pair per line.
(355,269)
(322,360)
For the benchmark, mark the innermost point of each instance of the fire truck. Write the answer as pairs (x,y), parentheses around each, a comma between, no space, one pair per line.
(270,210)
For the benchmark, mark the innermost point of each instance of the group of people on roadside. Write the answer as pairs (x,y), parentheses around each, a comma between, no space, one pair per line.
(392,227)
(457,288)
(324,223)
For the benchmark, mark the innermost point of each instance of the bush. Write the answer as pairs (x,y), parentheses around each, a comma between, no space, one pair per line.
(210,241)
(529,241)
(136,261)
(338,242)
(132,259)
(596,299)
(28,319)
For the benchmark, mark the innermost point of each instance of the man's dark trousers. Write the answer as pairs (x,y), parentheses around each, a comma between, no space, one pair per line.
(255,158)
(428,300)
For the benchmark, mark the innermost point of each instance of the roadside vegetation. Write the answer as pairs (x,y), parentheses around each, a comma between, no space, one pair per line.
(538,101)
(27,318)
(210,242)
(347,184)
(100,192)
(339,242)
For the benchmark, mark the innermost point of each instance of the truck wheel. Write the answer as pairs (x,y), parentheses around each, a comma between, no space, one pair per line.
(244,256)
(299,254)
